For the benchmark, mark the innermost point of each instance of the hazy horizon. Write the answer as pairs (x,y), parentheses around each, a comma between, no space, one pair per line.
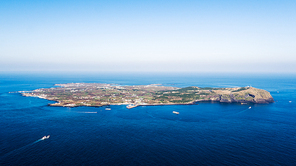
(148,36)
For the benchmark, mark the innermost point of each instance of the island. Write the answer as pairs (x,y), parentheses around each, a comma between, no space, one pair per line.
(102,94)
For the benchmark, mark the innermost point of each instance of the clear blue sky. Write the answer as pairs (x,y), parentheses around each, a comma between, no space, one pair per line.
(153,35)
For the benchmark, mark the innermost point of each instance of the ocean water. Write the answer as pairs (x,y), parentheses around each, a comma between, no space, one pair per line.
(203,134)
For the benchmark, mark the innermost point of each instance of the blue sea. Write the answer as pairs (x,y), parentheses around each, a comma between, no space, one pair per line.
(203,134)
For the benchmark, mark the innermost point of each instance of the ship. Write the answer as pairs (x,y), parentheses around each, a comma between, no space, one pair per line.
(131,106)
(45,137)
(175,112)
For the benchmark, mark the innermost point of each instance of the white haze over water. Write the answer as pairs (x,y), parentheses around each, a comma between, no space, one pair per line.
(150,36)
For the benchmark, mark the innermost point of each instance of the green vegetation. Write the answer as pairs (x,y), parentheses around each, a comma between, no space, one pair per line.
(240,89)
(104,94)
(187,88)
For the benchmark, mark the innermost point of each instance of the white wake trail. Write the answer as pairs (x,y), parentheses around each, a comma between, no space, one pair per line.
(240,112)
(243,111)
(9,153)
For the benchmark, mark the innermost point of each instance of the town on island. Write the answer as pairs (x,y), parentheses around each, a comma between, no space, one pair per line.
(101,94)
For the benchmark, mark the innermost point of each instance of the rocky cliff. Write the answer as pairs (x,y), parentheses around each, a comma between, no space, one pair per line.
(246,95)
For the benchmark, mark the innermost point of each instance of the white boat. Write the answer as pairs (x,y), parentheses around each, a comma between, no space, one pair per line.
(131,106)
(45,137)
(250,107)
(108,109)
(175,112)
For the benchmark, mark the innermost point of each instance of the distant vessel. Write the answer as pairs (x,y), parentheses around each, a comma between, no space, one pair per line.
(175,112)
(108,107)
(131,106)
(250,107)
(45,137)
(290,101)
(243,103)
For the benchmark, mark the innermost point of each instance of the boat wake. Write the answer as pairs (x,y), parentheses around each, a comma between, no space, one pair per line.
(21,148)
(150,115)
(241,111)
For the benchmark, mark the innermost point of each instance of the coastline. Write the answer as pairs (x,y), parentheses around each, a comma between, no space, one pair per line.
(156,104)
(99,95)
